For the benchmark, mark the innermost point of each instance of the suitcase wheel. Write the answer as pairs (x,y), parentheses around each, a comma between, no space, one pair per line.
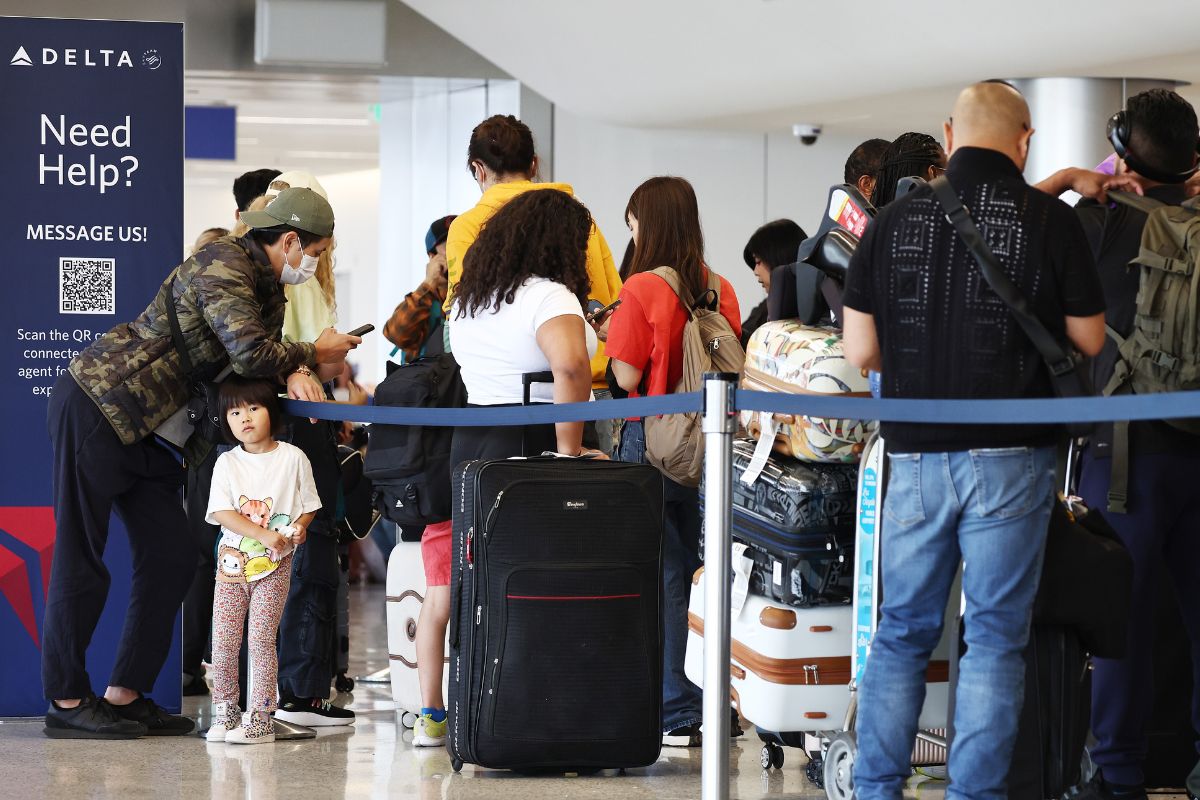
(839,767)
(456,764)
(343,683)
(771,756)
(408,719)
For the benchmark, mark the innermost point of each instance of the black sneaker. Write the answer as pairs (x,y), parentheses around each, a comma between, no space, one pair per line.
(687,736)
(152,716)
(1096,788)
(93,718)
(313,713)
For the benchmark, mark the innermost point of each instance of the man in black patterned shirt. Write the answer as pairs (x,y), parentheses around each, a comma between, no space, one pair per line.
(918,309)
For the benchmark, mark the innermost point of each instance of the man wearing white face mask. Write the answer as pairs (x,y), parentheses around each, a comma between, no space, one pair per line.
(102,419)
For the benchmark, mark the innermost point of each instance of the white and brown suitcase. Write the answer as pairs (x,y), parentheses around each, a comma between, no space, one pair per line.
(789,667)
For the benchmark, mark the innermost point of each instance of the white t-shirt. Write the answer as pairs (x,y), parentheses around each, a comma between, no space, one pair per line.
(495,348)
(270,489)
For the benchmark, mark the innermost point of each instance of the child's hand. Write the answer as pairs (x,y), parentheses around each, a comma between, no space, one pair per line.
(276,543)
(299,535)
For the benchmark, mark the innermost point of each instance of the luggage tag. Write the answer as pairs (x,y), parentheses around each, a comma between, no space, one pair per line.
(742,566)
(762,450)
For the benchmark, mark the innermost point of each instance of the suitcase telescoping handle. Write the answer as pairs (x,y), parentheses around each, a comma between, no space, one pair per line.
(530,378)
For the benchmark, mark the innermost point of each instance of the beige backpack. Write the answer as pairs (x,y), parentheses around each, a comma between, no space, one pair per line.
(675,443)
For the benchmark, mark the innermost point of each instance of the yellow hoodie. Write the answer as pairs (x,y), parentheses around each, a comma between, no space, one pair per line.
(606,285)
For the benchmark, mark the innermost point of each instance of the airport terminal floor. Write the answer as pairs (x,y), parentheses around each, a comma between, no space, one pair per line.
(373,758)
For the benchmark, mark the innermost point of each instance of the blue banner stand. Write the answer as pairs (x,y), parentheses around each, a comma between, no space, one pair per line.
(91,217)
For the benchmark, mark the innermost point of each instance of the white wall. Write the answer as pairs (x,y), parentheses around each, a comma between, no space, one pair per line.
(423,158)
(605,163)
(742,180)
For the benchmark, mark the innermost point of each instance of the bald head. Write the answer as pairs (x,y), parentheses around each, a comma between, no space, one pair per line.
(994,116)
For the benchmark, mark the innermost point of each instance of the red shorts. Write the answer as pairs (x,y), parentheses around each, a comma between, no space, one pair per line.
(435,552)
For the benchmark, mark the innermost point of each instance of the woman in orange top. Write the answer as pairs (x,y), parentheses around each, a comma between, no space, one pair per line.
(645,343)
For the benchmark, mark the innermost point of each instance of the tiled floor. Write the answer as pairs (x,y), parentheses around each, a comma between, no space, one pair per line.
(374,758)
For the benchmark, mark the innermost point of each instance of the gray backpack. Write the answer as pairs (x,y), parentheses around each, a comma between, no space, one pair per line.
(675,443)
(1162,354)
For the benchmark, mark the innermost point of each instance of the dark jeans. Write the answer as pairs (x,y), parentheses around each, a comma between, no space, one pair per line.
(307,630)
(1163,523)
(682,700)
(94,475)
(471,443)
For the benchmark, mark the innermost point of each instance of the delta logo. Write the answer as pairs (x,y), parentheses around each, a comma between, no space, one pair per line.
(87,57)
(26,550)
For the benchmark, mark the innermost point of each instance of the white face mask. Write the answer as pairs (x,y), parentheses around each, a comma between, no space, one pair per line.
(297,275)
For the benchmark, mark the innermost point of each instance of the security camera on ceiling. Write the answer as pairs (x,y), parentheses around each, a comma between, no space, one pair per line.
(807,134)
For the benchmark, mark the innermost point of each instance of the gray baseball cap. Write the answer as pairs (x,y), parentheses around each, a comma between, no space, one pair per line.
(300,208)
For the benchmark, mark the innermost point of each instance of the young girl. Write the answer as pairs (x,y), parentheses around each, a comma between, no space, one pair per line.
(263,497)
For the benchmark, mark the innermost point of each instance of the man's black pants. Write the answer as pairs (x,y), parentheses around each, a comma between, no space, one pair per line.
(94,475)
(306,632)
(198,605)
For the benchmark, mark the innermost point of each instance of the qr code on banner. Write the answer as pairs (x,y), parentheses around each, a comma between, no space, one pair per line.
(87,286)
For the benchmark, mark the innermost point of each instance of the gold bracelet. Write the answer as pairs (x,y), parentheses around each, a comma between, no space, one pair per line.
(302,370)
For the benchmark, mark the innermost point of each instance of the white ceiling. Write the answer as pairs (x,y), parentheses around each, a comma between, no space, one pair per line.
(764,64)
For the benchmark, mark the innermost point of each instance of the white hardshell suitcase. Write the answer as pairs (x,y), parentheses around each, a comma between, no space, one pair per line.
(405,594)
(789,668)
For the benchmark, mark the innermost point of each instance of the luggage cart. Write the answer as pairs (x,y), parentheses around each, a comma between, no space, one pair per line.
(838,748)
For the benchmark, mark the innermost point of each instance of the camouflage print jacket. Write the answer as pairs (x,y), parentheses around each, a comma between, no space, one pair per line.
(230,307)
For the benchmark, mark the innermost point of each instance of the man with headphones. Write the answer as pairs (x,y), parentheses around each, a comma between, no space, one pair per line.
(1155,139)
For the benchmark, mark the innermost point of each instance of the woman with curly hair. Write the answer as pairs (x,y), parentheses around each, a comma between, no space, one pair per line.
(524,287)
(518,308)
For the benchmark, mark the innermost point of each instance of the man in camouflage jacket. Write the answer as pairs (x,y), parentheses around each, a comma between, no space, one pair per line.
(102,414)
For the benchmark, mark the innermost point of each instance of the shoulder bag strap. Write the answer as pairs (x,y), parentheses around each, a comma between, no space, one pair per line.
(1056,357)
(1140,202)
(671,277)
(176,331)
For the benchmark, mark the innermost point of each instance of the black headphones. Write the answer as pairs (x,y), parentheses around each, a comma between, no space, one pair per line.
(1118,133)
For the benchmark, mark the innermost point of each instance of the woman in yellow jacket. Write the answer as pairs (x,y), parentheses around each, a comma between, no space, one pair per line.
(502,160)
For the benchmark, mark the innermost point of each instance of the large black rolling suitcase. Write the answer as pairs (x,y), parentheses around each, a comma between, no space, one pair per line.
(1053,725)
(555,622)
(798,520)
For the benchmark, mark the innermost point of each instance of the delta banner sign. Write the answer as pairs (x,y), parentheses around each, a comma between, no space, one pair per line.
(91,218)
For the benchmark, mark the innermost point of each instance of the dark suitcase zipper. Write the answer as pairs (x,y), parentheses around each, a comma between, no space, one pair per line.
(803,545)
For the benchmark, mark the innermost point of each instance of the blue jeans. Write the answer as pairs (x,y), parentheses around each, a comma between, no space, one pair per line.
(682,702)
(989,508)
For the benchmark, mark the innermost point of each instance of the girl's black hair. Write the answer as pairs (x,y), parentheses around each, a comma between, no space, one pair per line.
(775,244)
(237,391)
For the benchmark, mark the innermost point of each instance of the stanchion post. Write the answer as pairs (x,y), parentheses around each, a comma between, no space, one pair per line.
(719,426)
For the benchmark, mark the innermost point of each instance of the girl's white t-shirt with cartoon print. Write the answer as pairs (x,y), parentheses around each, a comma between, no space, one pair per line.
(269,489)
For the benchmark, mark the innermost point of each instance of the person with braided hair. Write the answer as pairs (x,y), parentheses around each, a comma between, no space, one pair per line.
(911,155)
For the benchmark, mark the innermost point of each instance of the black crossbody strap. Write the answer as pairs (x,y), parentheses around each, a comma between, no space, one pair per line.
(1057,359)
(177,332)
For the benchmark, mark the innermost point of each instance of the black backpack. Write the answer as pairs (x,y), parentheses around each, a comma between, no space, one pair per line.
(409,465)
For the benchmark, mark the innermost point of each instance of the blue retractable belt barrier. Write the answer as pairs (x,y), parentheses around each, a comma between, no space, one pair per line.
(499,415)
(1169,405)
